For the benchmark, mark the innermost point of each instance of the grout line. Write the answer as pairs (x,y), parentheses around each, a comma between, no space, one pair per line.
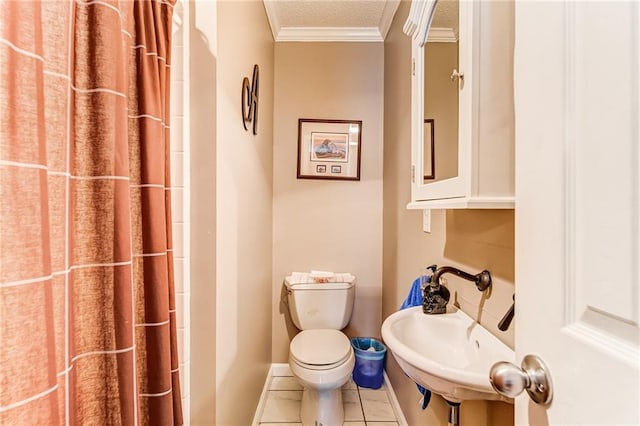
(364,419)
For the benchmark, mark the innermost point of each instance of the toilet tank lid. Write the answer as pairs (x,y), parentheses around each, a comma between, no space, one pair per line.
(305,280)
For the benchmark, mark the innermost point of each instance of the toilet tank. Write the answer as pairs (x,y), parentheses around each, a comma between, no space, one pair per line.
(320,305)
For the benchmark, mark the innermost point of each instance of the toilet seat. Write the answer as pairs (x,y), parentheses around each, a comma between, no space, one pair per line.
(320,349)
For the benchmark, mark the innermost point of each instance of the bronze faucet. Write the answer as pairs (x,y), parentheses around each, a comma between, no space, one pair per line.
(435,296)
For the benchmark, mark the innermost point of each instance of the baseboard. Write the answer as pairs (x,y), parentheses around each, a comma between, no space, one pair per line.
(282,369)
(263,397)
(285,370)
(402,421)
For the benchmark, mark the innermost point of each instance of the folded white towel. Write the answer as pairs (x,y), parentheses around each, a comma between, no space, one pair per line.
(320,277)
(344,277)
(299,277)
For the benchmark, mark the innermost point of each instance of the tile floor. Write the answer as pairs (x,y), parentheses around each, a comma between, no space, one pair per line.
(362,406)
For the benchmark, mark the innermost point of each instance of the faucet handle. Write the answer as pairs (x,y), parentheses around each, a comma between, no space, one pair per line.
(483,280)
(505,322)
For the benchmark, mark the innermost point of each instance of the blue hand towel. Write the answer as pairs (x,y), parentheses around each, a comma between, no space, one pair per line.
(414,298)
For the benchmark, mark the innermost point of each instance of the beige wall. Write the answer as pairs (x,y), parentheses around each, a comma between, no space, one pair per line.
(232,173)
(323,224)
(471,239)
(253,221)
(201,44)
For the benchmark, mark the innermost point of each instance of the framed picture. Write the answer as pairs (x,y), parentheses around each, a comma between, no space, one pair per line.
(329,149)
(429,149)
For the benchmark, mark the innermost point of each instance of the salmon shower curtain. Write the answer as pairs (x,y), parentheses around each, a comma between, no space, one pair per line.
(87,314)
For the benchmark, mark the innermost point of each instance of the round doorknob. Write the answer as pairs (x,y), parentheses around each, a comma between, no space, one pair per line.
(510,380)
(456,75)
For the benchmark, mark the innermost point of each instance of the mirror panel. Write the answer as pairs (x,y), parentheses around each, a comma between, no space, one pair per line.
(440,141)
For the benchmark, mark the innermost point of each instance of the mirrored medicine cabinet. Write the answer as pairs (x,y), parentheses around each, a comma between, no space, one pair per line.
(462,108)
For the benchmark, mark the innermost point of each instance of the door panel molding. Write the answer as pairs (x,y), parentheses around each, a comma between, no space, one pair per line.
(602,226)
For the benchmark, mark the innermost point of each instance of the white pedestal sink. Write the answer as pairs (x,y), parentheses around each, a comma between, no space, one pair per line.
(449,354)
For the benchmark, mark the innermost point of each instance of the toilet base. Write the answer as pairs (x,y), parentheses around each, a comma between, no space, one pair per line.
(322,396)
(322,408)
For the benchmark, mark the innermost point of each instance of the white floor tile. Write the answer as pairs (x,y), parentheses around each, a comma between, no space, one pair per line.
(382,386)
(352,407)
(382,424)
(282,406)
(281,424)
(350,384)
(362,406)
(376,405)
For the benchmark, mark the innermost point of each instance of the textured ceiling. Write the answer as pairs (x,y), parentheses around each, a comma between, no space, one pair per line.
(446,15)
(318,13)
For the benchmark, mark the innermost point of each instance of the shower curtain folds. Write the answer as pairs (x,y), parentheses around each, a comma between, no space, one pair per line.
(87,304)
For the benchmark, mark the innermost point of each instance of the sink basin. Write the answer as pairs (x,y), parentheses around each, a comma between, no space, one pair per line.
(449,354)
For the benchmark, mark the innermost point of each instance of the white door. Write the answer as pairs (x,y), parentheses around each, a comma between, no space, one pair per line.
(577,102)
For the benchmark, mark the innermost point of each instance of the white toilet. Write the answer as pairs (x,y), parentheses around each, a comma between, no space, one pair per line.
(320,356)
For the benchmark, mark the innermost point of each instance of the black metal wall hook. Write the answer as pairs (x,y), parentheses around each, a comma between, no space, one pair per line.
(250,100)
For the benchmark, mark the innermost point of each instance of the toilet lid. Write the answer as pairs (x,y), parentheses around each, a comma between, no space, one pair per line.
(320,347)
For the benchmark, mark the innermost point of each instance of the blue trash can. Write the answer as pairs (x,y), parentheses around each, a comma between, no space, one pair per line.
(369,368)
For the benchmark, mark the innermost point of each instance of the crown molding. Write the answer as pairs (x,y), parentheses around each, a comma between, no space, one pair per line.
(441,35)
(328,34)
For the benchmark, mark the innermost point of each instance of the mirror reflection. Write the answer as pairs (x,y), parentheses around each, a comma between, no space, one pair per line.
(441,95)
